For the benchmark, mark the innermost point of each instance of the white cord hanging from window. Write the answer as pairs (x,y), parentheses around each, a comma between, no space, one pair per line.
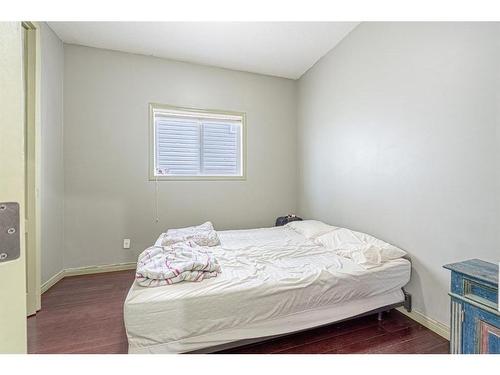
(159,171)
(156,199)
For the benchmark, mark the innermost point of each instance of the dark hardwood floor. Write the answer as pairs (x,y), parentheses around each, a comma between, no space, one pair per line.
(84,314)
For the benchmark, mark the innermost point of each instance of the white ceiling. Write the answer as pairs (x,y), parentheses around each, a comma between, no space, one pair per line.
(283,49)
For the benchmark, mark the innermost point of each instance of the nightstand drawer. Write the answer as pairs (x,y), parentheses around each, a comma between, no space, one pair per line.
(480,293)
(489,338)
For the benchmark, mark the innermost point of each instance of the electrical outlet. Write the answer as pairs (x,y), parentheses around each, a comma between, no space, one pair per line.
(126,243)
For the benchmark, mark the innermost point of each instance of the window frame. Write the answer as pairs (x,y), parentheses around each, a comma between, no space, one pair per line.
(216,112)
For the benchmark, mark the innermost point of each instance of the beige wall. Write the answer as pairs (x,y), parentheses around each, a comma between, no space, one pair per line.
(52,178)
(399,137)
(108,196)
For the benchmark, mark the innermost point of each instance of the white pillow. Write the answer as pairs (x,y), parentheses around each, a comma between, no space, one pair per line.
(340,238)
(310,228)
(357,245)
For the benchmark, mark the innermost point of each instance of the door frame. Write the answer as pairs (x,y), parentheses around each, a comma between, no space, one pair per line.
(13,272)
(32,66)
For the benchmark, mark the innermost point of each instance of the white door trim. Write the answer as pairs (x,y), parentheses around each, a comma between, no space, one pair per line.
(33,166)
(12,273)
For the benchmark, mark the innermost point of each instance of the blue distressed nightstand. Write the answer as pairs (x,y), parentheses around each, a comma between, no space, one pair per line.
(475,319)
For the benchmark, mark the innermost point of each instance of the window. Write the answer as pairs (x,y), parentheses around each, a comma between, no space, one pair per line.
(196,144)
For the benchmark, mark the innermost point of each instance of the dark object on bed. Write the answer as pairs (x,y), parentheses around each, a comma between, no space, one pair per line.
(282,220)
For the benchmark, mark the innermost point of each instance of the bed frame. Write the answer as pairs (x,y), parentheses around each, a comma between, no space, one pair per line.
(406,303)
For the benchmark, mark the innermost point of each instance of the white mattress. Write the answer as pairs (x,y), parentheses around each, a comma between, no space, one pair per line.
(273,281)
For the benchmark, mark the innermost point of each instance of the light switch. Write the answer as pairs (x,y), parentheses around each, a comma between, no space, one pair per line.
(126,243)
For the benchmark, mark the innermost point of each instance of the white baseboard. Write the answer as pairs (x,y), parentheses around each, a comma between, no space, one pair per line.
(99,269)
(435,326)
(52,281)
(86,271)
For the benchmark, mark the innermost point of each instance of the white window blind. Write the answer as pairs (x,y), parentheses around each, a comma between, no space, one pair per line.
(193,144)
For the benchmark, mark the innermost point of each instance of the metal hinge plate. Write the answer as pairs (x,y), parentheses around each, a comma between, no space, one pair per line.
(10,243)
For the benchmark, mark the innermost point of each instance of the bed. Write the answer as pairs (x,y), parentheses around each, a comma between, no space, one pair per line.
(274,281)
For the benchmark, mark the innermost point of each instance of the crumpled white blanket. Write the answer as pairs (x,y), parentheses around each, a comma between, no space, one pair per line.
(203,235)
(182,261)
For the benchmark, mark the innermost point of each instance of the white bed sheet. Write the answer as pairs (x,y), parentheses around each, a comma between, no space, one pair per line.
(273,281)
